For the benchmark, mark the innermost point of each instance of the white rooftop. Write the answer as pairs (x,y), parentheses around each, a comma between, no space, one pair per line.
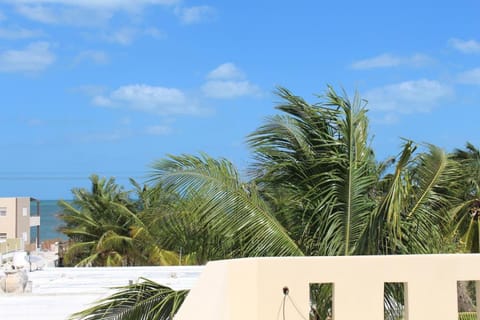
(59,292)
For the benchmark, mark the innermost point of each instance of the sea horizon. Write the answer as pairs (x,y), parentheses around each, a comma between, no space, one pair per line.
(49,221)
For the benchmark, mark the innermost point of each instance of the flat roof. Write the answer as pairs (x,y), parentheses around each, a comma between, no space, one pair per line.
(59,292)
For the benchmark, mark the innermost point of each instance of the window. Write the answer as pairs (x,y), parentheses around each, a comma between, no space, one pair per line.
(3,212)
(321,301)
(394,302)
(3,236)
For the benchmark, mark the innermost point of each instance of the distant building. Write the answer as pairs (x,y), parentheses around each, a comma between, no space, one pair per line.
(17,220)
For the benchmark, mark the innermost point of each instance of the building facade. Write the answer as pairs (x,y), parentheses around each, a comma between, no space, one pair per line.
(17,219)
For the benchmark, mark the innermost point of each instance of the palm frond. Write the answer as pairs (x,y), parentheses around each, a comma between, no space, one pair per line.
(229,206)
(140,301)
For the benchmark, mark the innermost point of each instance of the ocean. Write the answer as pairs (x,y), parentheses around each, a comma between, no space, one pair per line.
(48,220)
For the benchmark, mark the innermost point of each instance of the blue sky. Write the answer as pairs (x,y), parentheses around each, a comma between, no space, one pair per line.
(109,86)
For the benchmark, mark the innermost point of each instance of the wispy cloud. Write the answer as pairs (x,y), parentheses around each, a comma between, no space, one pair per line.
(409,96)
(158,130)
(228,81)
(155,33)
(34,58)
(229,89)
(18,33)
(65,15)
(388,61)
(80,13)
(470,77)
(226,71)
(123,36)
(195,14)
(96,137)
(95,56)
(97,4)
(150,99)
(465,46)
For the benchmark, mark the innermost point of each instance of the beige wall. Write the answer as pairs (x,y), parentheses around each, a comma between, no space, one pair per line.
(252,288)
(23,219)
(8,224)
(10,245)
(16,224)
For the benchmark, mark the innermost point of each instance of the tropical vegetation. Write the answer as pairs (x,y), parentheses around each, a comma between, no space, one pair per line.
(315,187)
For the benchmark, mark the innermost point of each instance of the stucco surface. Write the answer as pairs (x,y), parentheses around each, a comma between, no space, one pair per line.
(253,288)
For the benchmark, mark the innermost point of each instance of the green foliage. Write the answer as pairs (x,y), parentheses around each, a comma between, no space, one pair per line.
(315,189)
(233,210)
(105,228)
(140,301)
(467,316)
(465,214)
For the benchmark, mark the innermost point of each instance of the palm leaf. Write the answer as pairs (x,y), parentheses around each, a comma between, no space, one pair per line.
(229,206)
(141,301)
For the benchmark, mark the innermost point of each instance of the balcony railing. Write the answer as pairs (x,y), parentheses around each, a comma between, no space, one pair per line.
(10,245)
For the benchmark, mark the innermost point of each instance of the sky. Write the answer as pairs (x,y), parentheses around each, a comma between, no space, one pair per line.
(108,87)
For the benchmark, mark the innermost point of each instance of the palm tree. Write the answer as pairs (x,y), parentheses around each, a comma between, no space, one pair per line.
(96,223)
(105,229)
(231,209)
(315,189)
(319,157)
(466,213)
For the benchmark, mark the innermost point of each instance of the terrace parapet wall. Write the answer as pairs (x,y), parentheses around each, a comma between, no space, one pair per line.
(252,288)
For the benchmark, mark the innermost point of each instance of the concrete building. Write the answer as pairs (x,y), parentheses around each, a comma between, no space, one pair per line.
(16,220)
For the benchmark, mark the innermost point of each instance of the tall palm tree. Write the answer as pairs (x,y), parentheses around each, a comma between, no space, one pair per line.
(105,228)
(467,211)
(232,209)
(411,211)
(97,222)
(319,157)
(315,189)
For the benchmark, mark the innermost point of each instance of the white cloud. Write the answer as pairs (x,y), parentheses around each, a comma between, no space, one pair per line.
(151,99)
(158,130)
(35,57)
(408,97)
(228,81)
(80,12)
(102,101)
(123,36)
(227,71)
(229,89)
(387,61)
(18,33)
(97,4)
(196,14)
(386,119)
(470,77)
(155,33)
(103,136)
(67,15)
(465,46)
(98,57)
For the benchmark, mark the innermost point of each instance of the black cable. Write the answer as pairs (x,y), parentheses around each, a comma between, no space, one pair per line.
(285,291)
(296,308)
